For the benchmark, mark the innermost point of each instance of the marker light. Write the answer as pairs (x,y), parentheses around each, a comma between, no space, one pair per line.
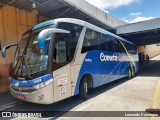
(21,97)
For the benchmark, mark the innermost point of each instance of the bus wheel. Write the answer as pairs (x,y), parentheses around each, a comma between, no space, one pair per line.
(83,88)
(129,73)
(133,74)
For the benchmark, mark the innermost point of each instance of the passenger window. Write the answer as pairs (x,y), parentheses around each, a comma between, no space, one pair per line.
(90,41)
(121,48)
(131,48)
(108,44)
(102,42)
(99,41)
(115,45)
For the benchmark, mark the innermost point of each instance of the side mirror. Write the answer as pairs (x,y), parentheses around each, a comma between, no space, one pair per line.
(6,47)
(44,33)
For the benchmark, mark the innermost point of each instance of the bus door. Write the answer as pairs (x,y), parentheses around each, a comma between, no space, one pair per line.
(61,74)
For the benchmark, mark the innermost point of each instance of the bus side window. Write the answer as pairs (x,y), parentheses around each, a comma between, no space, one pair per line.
(103,42)
(131,48)
(121,47)
(115,45)
(90,41)
(109,43)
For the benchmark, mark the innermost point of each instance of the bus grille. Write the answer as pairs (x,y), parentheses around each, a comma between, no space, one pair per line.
(20,89)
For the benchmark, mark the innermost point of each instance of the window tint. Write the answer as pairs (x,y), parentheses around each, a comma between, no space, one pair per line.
(72,38)
(121,48)
(107,44)
(115,44)
(131,48)
(98,41)
(61,52)
(90,41)
(134,49)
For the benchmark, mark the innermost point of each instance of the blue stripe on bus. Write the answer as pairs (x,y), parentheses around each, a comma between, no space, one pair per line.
(43,24)
(103,72)
(30,83)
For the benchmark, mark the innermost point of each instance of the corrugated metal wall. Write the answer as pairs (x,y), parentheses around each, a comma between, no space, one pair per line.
(13,23)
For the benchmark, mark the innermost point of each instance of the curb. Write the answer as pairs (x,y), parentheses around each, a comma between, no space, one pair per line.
(10,105)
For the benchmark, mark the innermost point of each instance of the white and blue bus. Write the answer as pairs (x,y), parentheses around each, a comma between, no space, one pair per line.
(64,57)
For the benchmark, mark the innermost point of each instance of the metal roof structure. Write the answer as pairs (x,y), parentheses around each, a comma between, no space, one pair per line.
(79,9)
(141,33)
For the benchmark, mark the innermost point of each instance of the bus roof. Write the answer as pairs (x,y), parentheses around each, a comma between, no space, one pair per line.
(79,22)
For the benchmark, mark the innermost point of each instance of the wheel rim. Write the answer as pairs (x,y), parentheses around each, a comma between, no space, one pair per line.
(133,74)
(130,74)
(85,86)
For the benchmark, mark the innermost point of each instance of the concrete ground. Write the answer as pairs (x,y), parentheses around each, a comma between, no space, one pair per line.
(6,96)
(137,94)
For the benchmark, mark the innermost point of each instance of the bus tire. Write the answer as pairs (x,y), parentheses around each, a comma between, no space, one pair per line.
(133,72)
(83,88)
(129,73)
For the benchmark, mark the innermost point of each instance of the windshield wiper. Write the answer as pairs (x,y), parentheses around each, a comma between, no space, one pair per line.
(18,67)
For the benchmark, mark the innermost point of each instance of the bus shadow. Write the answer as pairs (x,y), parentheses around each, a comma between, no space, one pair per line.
(150,69)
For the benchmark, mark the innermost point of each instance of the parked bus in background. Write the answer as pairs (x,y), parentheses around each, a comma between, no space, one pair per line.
(64,57)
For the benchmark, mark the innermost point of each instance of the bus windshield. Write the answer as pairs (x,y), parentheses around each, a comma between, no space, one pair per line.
(32,62)
(29,58)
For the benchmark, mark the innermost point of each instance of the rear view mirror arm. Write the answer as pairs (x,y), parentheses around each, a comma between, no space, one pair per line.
(7,47)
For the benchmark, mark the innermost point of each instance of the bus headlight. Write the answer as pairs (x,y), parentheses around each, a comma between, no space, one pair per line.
(43,84)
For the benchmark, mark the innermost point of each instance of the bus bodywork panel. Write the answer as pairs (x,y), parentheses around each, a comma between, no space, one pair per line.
(105,67)
(41,96)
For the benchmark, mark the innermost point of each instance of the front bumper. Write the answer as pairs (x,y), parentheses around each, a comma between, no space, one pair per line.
(41,96)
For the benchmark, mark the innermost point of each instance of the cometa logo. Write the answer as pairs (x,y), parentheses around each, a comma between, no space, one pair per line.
(104,57)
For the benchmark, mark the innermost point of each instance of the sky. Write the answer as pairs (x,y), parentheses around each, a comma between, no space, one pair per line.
(130,10)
